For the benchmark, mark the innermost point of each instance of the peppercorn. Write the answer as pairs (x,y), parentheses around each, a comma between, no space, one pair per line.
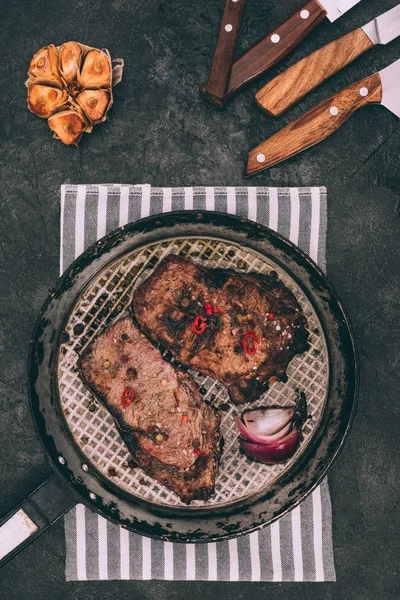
(112,472)
(185,302)
(131,372)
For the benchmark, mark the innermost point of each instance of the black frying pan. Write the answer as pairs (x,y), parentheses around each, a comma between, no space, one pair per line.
(77,479)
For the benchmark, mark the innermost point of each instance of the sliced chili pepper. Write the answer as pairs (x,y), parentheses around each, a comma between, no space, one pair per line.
(271,316)
(199,325)
(127,397)
(198,452)
(184,418)
(246,348)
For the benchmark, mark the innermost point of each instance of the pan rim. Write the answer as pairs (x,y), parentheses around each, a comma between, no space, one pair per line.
(98,250)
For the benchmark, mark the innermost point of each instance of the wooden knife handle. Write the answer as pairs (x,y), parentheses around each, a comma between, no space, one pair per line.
(275,46)
(217,85)
(293,84)
(315,125)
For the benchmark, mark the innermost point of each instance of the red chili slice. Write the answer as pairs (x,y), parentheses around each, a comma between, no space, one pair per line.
(199,325)
(127,397)
(208,308)
(198,452)
(246,348)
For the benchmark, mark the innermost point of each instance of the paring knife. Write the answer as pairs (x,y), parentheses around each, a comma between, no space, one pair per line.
(278,43)
(216,87)
(321,121)
(293,84)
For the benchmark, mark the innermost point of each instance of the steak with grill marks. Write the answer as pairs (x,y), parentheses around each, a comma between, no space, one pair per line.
(172,435)
(248,343)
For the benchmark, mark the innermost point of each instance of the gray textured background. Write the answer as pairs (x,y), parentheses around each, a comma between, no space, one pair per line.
(162,132)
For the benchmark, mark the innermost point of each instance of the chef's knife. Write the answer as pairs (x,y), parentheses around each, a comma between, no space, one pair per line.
(217,85)
(278,43)
(293,84)
(321,121)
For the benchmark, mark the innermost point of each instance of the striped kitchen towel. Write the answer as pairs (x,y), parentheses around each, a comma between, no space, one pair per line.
(297,547)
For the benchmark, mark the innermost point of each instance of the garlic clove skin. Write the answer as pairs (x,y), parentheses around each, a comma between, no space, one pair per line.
(96,70)
(44,66)
(43,100)
(70,59)
(68,126)
(95,104)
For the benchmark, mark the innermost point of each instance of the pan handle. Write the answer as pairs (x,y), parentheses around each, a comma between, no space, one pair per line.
(33,516)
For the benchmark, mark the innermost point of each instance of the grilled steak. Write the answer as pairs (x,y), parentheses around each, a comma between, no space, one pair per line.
(248,343)
(172,435)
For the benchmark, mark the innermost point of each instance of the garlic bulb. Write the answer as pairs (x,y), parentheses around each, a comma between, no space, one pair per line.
(71,86)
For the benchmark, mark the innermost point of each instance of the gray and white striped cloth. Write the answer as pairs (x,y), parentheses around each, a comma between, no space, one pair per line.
(297,547)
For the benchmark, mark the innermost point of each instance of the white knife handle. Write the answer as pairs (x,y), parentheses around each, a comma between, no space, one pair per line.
(315,125)
(293,84)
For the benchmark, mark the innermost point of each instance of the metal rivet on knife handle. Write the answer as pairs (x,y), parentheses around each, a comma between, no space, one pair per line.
(304,14)
(364,91)
(270,50)
(294,83)
(282,92)
(315,125)
(216,87)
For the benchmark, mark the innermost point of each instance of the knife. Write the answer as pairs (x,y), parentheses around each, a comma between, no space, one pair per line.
(293,84)
(216,87)
(270,50)
(321,121)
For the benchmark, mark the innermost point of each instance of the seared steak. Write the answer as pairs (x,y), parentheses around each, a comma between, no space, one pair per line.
(248,343)
(172,435)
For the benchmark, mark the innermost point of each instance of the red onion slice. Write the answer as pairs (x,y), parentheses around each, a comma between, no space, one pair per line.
(267,421)
(262,439)
(273,452)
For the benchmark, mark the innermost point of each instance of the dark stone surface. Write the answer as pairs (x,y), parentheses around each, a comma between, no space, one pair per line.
(162,132)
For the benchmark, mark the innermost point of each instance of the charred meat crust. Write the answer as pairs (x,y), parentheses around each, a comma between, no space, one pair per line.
(161,441)
(168,301)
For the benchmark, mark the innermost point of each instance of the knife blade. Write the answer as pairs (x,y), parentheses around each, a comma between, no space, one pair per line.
(270,50)
(321,121)
(291,85)
(337,8)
